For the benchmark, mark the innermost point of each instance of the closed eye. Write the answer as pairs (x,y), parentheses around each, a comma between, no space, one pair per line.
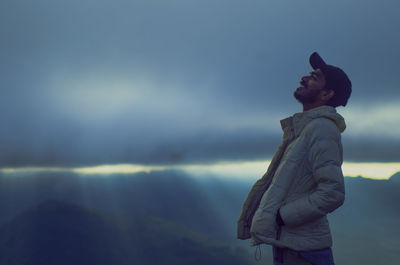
(314,75)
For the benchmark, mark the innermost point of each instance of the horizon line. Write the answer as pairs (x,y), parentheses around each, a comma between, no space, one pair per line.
(227,169)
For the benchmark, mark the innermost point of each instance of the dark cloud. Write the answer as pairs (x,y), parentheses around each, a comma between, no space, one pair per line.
(89,82)
(116,147)
(367,149)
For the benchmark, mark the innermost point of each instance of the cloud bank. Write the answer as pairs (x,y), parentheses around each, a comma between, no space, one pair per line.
(94,82)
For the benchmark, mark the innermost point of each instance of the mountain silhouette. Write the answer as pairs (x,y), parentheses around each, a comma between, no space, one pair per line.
(60,233)
(169,195)
(395,178)
(365,229)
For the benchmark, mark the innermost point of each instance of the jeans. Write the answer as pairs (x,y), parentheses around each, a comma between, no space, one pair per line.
(285,256)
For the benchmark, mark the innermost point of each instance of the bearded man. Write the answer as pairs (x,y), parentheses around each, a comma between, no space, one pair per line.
(287,208)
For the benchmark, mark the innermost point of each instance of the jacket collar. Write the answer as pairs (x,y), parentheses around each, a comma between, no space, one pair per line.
(293,125)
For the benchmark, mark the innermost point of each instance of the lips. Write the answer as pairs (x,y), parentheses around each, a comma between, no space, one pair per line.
(303,85)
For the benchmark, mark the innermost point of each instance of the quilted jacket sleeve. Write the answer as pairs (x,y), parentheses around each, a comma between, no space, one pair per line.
(325,158)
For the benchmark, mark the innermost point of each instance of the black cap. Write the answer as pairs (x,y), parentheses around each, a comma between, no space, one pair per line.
(336,79)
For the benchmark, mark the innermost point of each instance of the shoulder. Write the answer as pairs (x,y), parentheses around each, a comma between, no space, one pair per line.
(322,128)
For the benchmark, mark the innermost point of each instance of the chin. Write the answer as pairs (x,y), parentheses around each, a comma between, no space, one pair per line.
(301,98)
(297,95)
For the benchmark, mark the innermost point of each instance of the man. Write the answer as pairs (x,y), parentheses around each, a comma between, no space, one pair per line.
(287,207)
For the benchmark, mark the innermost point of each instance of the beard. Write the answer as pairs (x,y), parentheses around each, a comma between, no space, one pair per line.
(306,98)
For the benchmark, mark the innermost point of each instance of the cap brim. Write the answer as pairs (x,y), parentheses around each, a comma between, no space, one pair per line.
(316,61)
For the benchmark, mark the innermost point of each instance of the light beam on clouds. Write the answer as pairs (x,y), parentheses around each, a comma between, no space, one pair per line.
(246,170)
(370,170)
(255,170)
(115,169)
(380,120)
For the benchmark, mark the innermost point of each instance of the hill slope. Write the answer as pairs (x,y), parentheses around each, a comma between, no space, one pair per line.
(365,228)
(62,233)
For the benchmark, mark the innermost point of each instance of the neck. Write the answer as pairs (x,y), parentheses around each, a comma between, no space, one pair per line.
(308,106)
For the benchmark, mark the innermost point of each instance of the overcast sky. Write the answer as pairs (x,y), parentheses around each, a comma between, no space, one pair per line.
(94,82)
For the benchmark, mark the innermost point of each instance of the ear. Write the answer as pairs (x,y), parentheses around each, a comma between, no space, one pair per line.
(327,95)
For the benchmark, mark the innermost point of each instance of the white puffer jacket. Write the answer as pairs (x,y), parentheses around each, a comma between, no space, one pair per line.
(304,181)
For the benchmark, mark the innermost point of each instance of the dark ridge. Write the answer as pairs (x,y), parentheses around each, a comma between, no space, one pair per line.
(395,178)
(61,233)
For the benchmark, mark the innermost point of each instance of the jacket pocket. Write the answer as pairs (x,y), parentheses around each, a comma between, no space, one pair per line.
(264,220)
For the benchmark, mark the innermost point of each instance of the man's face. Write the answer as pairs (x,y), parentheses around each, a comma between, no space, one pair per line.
(310,87)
